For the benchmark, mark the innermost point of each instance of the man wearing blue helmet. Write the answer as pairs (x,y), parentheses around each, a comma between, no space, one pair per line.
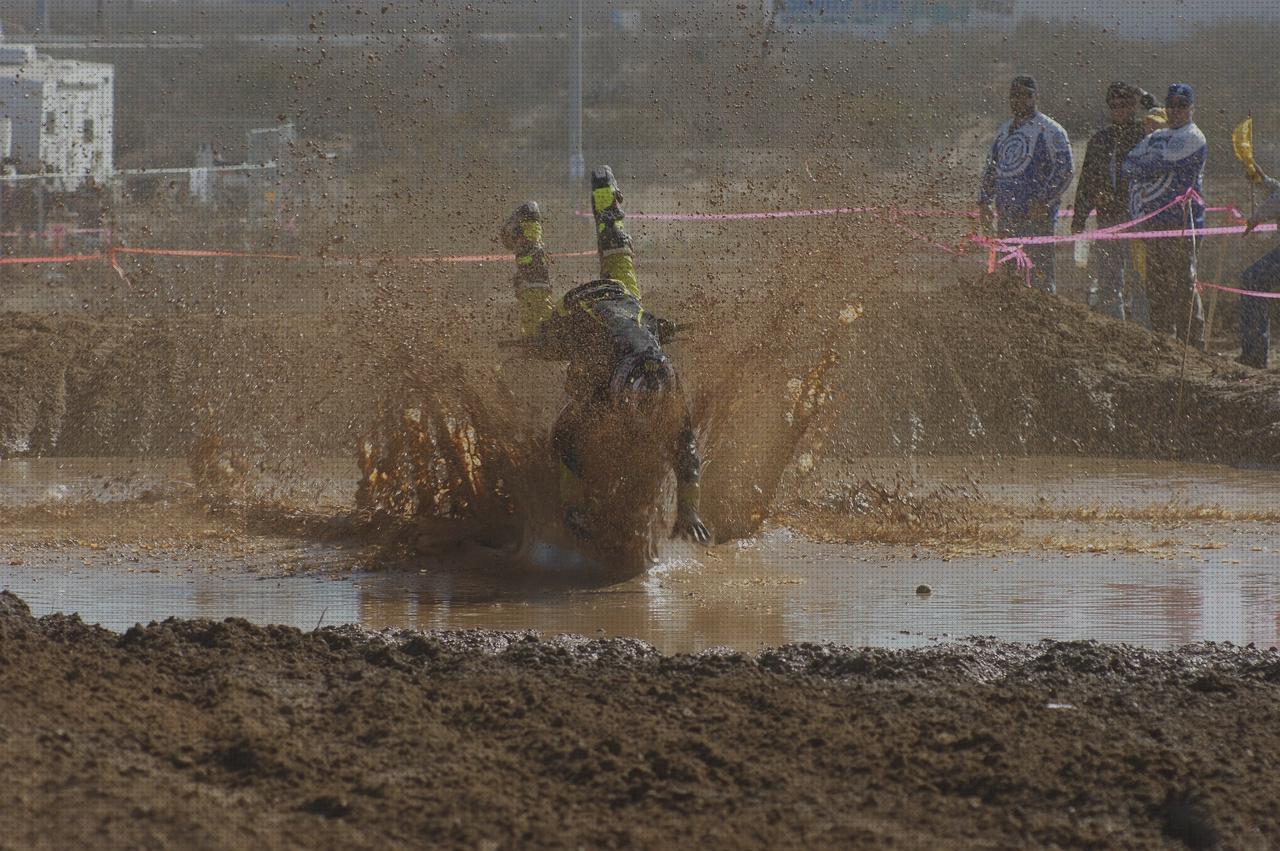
(1160,169)
(617,368)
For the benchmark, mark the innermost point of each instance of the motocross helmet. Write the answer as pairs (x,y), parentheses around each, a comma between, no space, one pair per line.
(641,382)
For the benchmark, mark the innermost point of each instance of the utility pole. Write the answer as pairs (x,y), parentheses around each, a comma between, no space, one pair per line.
(577,163)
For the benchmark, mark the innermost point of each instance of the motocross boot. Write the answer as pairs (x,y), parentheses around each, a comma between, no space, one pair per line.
(612,241)
(521,234)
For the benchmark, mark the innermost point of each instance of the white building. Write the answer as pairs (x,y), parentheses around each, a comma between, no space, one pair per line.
(57,116)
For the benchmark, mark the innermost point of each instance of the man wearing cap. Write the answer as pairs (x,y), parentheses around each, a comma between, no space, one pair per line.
(1102,188)
(1027,170)
(1161,169)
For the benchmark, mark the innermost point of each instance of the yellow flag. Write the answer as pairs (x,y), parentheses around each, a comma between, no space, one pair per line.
(1242,141)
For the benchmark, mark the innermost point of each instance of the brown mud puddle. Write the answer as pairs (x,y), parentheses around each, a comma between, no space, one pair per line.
(1114,551)
(778,589)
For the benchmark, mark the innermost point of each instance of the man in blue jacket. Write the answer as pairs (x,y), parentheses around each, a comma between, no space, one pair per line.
(1160,169)
(1262,276)
(1027,170)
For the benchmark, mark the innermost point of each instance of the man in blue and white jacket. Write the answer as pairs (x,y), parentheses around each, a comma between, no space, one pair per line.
(1028,168)
(1161,168)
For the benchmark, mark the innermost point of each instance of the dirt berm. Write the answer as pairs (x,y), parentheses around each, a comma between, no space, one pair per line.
(198,734)
(966,368)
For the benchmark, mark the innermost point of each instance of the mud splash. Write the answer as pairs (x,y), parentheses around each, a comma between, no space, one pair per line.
(448,462)
(901,512)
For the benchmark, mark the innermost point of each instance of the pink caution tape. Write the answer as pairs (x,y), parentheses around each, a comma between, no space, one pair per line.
(846,211)
(64,258)
(1250,293)
(485,258)
(113,253)
(201,252)
(1099,236)
(999,251)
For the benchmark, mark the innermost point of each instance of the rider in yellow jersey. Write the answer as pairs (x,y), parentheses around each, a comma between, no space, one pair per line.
(614,349)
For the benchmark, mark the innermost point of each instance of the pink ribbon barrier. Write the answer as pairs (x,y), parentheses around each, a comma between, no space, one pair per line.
(56,231)
(200,252)
(485,258)
(64,258)
(1000,251)
(1122,231)
(850,211)
(741,217)
(1106,236)
(1200,285)
(112,254)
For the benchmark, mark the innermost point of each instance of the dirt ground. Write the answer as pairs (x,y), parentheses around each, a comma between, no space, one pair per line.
(226,735)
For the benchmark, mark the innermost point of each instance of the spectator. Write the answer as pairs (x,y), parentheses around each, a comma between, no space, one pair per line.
(1155,119)
(1160,169)
(1027,170)
(1262,276)
(1101,188)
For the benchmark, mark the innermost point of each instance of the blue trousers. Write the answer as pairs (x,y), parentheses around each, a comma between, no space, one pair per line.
(1255,315)
(1042,272)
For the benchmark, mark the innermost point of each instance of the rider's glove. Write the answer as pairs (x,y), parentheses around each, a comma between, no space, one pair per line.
(689,525)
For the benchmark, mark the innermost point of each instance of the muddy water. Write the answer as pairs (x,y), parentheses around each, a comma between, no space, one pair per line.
(775,590)
(1103,482)
(1168,584)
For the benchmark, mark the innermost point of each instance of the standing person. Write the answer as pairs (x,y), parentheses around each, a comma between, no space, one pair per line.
(1027,170)
(1262,276)
(1102,188)
(1162,167)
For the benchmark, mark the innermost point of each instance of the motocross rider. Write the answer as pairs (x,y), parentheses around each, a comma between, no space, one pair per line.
(614,349)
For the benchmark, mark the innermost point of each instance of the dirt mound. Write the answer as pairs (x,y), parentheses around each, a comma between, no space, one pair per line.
(982,367)
(226,734)
(78,386)
(964,368)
